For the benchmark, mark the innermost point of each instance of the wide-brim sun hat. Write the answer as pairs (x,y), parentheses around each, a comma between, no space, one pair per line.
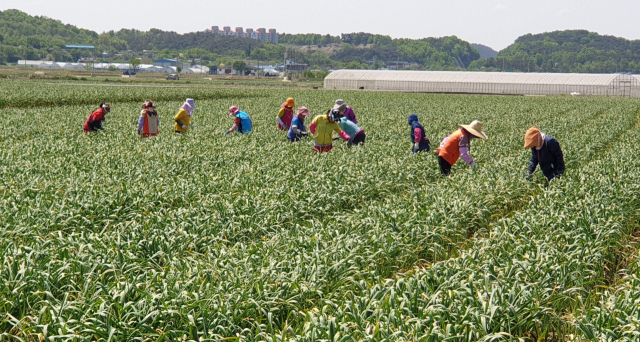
(342,107)
(290,102)
(475,128)
(303,111)
(233,109)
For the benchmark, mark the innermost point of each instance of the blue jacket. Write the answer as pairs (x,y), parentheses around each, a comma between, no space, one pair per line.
(349,126)
(549,157)
(299,123)
(245,122)
(413,121)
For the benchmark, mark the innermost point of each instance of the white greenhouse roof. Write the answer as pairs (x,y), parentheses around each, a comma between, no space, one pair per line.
(472,77)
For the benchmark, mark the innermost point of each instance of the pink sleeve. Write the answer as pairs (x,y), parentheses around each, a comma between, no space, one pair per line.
(444,141)
(312,128)
(344,136)
(417,135)
(464,154)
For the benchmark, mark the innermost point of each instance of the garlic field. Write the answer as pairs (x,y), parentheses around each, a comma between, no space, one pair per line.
(208,237)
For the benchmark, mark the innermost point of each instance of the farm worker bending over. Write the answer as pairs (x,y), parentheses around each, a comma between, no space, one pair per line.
(285,115)
(545,151)
(297,129)
(149,122)
(418,135)
(353,130)
(457,145)
(322,128)
(183,118)
(95,120)
(242,123)
(346,111)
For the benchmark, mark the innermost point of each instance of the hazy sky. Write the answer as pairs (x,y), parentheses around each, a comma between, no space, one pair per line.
(496,23)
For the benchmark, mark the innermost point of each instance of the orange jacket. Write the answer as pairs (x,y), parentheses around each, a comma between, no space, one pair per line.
(451,149)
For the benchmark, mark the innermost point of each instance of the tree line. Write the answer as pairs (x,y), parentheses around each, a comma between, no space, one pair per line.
(34,37)
(566,51)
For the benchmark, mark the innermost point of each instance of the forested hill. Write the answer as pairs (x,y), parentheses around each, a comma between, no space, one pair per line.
(485,51)
(20,29)
(567,51)
(429,53)
(35,37)
(160,40)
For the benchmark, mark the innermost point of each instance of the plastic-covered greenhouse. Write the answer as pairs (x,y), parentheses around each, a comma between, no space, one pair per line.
(485,82)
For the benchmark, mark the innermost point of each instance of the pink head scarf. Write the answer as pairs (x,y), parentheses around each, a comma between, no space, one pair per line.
(189,106)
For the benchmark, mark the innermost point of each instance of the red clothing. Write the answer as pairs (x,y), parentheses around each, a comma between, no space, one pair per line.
(94,121)
(418,135)
(286,115)
(321,149)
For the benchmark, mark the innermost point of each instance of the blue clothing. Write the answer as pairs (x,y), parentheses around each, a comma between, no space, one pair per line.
(549,157)
(423,144)
(413,121)
(349,126)
(298,122)
(421,147)
(245,122)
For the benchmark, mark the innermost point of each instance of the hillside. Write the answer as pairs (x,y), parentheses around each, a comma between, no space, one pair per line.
(361,50)
(485,51)
(35,37)
(567,51)
(38,37)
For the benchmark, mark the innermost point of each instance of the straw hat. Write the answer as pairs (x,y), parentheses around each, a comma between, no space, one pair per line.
(532,138)
(475,128)
(340,105)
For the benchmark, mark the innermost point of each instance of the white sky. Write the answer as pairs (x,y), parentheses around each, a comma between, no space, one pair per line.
(496,23)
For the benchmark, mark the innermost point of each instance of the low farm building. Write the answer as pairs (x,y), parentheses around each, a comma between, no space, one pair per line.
(485,82)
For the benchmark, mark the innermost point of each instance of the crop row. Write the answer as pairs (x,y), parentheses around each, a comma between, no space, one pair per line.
(207,236)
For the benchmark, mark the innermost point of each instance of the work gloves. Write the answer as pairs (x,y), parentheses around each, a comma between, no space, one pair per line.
(184,126)
(474,165)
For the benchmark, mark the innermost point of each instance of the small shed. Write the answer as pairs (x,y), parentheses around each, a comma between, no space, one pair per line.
(226,70)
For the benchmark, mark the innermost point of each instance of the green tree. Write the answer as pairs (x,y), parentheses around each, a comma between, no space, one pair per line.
(135,63)
(239,66)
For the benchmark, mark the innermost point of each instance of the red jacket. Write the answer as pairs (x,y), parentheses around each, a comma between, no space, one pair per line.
(94,122)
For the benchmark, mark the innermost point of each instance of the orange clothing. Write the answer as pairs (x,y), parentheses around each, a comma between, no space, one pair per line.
(150,123)
(451,149)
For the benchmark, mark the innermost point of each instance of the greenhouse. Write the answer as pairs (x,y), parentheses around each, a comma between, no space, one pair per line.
(461,82)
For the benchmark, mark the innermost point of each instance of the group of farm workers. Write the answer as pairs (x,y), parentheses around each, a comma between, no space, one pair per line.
(545,150)
(341,119)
